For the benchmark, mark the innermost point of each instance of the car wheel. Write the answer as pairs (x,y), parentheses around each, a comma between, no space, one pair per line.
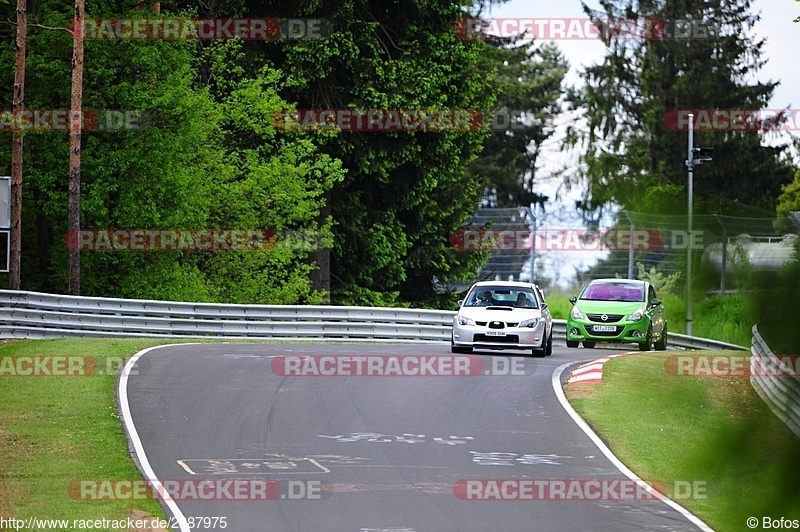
(540,351)
(549,349)
(458,349)
(588,345)
(661,345)
(648,341)
(572,343)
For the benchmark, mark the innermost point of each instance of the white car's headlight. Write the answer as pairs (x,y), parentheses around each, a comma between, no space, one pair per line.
(463,320)
(576,313)
(636,315)
(533,322)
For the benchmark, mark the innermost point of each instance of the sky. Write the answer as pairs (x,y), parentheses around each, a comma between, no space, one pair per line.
(782,38)
(775,25)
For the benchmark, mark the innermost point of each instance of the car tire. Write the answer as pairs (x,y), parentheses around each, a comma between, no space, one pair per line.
(572,343)
(647,345)
(540,351)
(588,345)
(549,349)
(458,349)
(661,345)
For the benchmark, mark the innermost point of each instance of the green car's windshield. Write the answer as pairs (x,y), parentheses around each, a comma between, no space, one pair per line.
(614,292)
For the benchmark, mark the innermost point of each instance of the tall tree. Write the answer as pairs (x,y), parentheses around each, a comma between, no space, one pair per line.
(200,152)
(75,130)
(404,192)
(15,236)
(527,80)
(633,157)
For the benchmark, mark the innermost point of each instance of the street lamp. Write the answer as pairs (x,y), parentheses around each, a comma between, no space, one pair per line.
(526,213)
(695,156)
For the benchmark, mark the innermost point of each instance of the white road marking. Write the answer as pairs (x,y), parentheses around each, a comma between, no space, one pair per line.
(138,449)
(186,467)
(253,466)
(556,382)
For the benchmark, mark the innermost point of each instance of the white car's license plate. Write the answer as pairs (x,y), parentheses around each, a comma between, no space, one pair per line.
(604,328)
(495,333)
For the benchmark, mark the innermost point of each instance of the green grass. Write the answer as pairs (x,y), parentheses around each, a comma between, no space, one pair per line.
(58,429)
(559,305)
(55,430)
(728,317)
(712,430)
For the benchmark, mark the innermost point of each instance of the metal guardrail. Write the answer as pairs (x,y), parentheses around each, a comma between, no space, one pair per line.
(691,342)
(773,381)
(39,315)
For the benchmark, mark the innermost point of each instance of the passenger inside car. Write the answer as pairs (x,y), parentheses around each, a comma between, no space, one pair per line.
(522,300)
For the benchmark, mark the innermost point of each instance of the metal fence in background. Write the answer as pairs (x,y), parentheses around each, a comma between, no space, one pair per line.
(506,263)
(726,250)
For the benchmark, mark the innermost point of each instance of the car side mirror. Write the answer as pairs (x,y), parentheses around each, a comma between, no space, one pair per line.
(544,305)
(655,302)
(573,299)
(460,302)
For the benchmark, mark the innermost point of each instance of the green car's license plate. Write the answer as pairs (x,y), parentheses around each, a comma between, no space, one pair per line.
(604,328)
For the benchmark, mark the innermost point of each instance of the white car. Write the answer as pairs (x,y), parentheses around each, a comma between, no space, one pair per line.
(503,315)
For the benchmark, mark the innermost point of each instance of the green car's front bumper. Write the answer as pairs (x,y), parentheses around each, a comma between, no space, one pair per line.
(624,331)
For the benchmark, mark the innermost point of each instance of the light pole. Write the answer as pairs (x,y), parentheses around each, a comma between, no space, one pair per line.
(690,165)
(632,230)
(795,215)
(696,156)
(527,214)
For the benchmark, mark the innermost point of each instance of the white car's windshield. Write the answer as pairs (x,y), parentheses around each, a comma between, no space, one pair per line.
(486,296)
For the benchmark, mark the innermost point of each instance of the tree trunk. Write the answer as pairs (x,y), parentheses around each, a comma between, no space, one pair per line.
(76,118)
(321,276)
(15,253)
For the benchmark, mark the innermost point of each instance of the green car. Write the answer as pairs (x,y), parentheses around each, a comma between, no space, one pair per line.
(620,311)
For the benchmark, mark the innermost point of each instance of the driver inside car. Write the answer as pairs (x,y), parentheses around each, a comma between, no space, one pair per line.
(485,299)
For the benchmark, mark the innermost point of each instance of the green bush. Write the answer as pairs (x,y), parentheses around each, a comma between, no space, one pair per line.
(559,305)
(728,318)
(725,317)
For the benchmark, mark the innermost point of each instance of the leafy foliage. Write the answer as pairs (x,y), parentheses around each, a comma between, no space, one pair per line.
(205,156)
(404,193)
(661,283)
(527,82)
(789,200)
(627,97)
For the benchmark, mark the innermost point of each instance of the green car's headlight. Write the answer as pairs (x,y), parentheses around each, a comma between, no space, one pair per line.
(463,320)
(576,313)
(636,315)
(533,322)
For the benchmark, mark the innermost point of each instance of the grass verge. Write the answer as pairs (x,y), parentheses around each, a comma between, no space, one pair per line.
(55,430)
(715,431)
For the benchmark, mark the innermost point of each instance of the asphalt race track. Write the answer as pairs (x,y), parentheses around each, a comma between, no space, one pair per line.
(373,453)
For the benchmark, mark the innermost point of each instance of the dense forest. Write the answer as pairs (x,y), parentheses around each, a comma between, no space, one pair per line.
(353,216)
